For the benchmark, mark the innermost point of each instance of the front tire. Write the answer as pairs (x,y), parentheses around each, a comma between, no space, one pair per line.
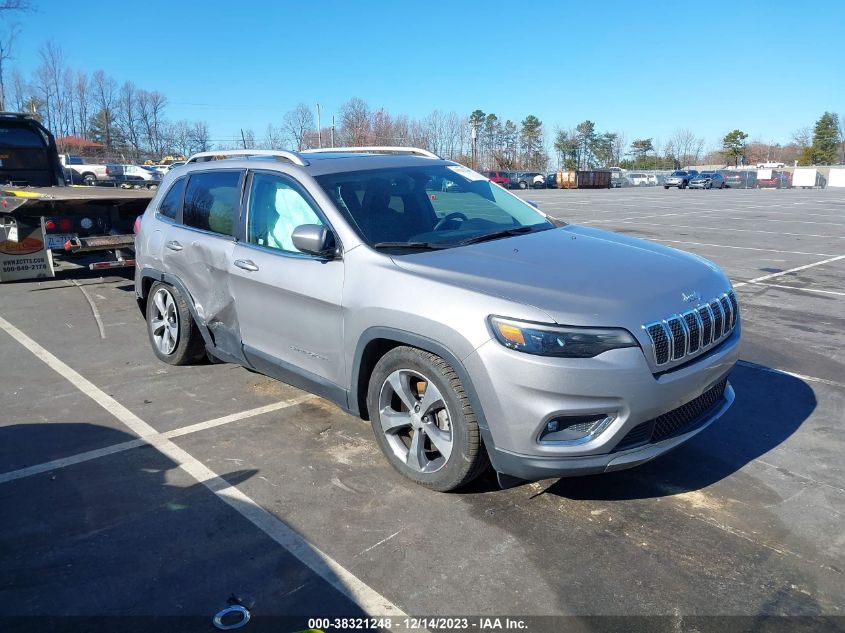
(423,421)
(173,335)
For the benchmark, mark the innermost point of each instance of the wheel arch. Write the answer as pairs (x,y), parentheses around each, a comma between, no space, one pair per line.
(375,342)
(148,277)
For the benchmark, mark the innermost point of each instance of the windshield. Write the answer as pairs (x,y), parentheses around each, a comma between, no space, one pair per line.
(428,207)
(679,173)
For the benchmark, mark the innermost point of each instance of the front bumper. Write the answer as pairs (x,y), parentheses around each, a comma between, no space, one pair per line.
(520,393)
(699,185)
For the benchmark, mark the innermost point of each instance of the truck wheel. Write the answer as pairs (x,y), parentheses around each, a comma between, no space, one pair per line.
(89,179)
(423,420)
(523,184)
(174,336)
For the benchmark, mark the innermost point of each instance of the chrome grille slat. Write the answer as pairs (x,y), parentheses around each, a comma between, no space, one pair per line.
(729,312)
(707,325)
(735,306)
(693,322)
(679,336)
(718,319)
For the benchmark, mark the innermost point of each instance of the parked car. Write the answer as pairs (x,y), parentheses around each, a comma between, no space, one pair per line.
(638,179)
(680,178)
(133,174)
(499,177)
(551,180)
(335,263)
(742,179)
(707,180)
(82,171)
(526,179)
(778,180)
(769,165)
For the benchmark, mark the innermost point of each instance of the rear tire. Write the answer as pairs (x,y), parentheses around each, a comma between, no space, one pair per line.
(89,179)
(423,421)
(173,335)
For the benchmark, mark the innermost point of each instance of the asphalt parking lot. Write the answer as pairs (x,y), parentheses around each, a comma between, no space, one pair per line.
(133,488)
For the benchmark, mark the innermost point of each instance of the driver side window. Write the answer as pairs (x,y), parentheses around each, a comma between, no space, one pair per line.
(276,208)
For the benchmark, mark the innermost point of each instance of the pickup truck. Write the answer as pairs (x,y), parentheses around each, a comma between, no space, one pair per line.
(79,171)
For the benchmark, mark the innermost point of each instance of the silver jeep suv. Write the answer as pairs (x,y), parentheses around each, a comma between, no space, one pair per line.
(462,322)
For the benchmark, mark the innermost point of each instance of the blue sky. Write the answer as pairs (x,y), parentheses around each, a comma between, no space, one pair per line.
(643,68)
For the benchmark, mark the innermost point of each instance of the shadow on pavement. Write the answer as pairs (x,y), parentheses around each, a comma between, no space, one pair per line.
(129,541)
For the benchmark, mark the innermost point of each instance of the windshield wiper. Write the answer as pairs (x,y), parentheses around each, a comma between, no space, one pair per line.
(419,245)
(496,235)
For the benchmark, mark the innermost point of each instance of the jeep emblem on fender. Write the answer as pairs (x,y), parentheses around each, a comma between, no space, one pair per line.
(692,296)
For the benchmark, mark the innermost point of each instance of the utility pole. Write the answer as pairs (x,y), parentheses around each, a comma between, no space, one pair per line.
(319,131)
(474,136)
(332,130)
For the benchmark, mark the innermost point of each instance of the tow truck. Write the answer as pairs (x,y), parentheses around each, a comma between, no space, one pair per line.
(41,215)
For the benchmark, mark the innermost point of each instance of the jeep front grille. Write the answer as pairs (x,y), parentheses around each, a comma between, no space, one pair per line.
(680,335)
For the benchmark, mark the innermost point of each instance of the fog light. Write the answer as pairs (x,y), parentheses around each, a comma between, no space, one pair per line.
(574,429)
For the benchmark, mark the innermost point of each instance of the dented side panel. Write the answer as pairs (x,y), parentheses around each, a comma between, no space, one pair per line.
(202,261)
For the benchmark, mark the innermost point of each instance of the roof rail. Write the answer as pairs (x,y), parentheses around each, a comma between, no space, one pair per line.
(293,157)
(375,149)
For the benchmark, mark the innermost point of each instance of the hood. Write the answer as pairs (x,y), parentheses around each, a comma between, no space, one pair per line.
(578,275)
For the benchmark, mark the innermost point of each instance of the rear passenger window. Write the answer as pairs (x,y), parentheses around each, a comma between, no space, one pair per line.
(169,207)
(211,201)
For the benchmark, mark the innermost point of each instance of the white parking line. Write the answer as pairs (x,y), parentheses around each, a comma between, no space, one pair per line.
(772,370)
(824,292)
(745,248)
(373,603)
(94,309)
(787,272)
(722,228)
(120,447)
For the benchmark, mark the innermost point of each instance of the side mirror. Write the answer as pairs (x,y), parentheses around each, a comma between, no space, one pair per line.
(313,239)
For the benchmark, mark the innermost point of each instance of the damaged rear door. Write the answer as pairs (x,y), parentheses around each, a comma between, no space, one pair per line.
(289,302)
(198,250)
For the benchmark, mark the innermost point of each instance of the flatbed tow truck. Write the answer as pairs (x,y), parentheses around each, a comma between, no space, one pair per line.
(40,215)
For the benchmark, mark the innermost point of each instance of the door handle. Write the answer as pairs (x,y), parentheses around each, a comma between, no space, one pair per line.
(173,245)
(246,264)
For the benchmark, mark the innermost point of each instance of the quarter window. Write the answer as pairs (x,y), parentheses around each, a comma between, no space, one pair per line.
(169,207)
(276,208)
(211,201)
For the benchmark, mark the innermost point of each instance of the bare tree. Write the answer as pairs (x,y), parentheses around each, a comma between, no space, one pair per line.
(274,138)
(200,137)
(82,102)
(296,124)
(686,147)
(7,40)
(151,112)
(7,44)
(128,118)
(104,91)
(21,92)
(355,127)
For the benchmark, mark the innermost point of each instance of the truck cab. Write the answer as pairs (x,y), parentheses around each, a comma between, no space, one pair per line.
(28,154)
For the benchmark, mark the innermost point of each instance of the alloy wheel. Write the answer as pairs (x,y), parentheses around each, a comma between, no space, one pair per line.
(164,324)
(415,421)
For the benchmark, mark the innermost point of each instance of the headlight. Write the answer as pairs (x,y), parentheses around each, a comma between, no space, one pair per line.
(561,341)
